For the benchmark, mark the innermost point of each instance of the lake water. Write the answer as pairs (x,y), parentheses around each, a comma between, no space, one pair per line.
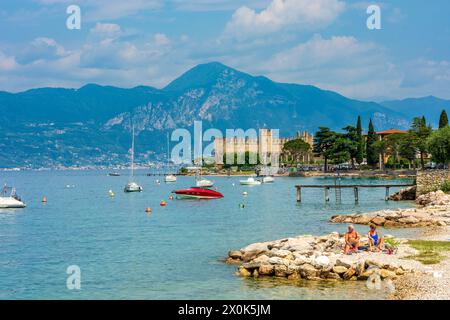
(173,253)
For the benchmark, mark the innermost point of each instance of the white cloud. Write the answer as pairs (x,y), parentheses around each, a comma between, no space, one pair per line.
(217,5)
(105,29)
(93,10)
(280,14)
(41,48)
(7,63)
(339,63)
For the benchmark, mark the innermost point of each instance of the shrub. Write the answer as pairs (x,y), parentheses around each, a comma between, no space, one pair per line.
(446,186)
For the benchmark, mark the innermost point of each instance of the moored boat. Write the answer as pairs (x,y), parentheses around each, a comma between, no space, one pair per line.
(198,193)
(132,186)
(250,182)
(268,179)
(9,199)
(170,178)
(114,174)
(204,183)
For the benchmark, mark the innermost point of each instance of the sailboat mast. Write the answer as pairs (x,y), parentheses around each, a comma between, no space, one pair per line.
(132,152)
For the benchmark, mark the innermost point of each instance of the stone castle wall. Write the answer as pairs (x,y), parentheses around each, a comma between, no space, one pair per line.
(431,180)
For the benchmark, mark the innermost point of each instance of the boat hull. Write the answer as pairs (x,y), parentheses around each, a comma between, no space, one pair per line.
(132,187)
(198,193)
(11,203)
(170,179)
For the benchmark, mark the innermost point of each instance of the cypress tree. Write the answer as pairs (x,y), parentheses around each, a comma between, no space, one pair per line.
(360,140)
(372,156)
(443,120)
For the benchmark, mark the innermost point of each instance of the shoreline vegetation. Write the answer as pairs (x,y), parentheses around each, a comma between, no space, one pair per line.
(417,267)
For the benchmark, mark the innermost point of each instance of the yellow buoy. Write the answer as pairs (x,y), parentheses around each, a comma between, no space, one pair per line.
(111,193)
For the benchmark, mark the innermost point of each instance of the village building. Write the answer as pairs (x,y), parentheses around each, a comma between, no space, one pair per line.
(265,143)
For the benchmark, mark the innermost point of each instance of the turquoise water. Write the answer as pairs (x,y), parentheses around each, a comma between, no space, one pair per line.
(173,253)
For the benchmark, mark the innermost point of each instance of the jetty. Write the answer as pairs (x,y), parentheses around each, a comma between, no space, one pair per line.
(355,187)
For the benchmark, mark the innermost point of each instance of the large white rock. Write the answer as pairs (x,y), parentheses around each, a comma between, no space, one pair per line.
(322,261)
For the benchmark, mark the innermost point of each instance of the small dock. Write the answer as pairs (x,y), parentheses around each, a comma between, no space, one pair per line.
(355,188)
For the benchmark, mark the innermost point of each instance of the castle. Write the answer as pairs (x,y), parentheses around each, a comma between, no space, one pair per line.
(266,143)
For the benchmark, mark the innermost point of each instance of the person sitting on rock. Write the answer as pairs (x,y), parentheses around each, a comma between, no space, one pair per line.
(351,240)
(375,240)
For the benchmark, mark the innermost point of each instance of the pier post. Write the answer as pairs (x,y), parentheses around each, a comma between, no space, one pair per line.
(355,190)
(299,194)
(327,197)
(386,198)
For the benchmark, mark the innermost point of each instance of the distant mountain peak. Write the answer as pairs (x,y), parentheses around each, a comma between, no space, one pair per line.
(203,75)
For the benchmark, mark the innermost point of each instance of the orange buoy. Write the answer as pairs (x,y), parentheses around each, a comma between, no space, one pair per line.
(44,199)
(162,203)
(148,210)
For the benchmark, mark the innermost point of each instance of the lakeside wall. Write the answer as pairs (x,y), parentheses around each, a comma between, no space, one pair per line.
(430,180)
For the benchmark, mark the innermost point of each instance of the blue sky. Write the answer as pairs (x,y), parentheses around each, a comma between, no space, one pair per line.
(320,42)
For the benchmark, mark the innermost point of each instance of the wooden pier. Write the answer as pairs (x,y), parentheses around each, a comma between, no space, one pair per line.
(355,188)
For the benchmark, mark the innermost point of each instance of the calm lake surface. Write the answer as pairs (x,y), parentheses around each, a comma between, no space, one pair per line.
(173,253)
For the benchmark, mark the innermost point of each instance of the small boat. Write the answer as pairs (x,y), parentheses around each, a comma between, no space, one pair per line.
(170,178)
(250,182)
(197,193)
(132,186)
(9,199)
(268,179)
(204,183)
(114,174)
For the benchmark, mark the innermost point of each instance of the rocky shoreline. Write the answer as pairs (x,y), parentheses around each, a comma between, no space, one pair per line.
(321,258)
(433,210)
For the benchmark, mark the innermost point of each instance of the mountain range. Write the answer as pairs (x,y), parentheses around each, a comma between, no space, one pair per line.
(49,127)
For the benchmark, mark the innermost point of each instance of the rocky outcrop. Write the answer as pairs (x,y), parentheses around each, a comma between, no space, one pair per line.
(434,211)
(404,194)
(320,258)
(438,198)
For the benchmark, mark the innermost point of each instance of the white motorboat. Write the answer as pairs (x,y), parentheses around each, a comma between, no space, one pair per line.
(132,186)
(204,183)
(250,182)
(170,178)
(9,199)
(268,179)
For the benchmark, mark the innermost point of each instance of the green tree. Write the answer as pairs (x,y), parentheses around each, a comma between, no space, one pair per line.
(295,149)
(439,145)
(380,147)
(352,143)
(420,133)
(393,143)
(360,142)
(371,153)
(340,151)
(407,149)
(443,119)
(323,141)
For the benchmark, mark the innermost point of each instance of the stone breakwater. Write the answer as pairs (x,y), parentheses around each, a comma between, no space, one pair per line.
(433,210)
(320,258)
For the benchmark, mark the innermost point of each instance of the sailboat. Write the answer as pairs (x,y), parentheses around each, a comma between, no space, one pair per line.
(169,177)
(9,198)
(132,186)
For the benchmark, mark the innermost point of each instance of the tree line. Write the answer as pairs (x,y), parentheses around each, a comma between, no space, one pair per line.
(351,146)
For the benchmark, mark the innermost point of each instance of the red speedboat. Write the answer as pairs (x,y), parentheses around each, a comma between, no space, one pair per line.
(197,193)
